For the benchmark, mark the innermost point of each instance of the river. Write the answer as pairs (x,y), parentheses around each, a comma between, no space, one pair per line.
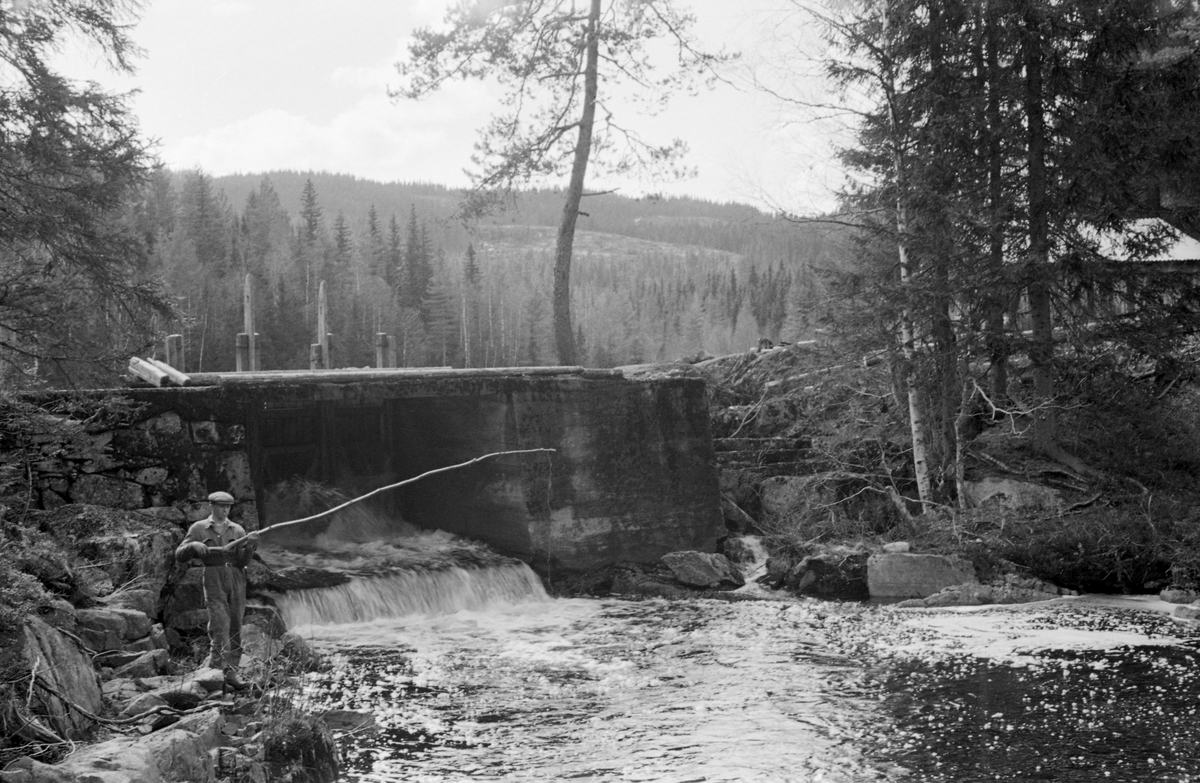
(478,675)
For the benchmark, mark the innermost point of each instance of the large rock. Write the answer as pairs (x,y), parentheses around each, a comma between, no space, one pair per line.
(1012,494)
(905,575)
(62,666)
(177,753)
(831,575)
(100,490)
(1011,589)
(134,551)
(147,664)
(111,628)
(791,496)
(701,569)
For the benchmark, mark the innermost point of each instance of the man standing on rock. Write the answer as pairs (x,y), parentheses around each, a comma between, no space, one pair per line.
(209,540)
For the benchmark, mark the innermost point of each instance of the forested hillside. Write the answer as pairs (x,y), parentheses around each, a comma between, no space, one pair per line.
(654,279)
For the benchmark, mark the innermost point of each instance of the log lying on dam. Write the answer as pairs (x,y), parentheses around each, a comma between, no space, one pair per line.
(632,476)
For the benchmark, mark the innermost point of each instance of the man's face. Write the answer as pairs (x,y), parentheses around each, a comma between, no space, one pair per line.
(220,512)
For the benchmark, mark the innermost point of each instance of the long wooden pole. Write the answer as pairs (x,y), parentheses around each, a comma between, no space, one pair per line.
(373,492)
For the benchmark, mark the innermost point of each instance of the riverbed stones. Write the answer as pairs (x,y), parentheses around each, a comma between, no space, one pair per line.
(1010,589)
(907,575)
(703,569)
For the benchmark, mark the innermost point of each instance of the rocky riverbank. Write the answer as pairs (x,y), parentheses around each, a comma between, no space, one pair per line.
(103,673)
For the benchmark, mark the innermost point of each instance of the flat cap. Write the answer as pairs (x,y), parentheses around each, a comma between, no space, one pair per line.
(221,497)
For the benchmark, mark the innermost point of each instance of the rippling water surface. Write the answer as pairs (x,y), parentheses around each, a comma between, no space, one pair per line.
(600,690)
(485,678)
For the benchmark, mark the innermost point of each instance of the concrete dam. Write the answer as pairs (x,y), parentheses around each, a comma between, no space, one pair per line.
(631,475)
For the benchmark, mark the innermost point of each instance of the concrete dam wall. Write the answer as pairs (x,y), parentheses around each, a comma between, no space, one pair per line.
(631,477)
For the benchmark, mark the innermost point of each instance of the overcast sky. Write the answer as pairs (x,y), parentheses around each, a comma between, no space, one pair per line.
(253,85)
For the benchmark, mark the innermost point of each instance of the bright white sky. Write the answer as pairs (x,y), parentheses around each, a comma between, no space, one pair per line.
(252,85)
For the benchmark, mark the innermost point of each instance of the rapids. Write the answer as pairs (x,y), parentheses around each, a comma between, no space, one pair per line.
(475,674)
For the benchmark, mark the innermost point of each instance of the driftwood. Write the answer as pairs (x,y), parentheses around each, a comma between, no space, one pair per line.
(373,492)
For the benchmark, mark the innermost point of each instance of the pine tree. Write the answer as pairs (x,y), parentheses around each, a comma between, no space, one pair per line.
(549,56)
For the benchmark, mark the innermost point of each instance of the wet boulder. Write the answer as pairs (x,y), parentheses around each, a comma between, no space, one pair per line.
(906,575)
(1009,589)
(833,574)
(738,550)
(635,579)
(704,570)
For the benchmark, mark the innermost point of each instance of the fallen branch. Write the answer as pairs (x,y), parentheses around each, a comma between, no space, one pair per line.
(162,708)
(1082,503)
(335,509)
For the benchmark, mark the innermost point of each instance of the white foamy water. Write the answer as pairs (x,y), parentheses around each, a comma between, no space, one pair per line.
(474,674)
(603,690)
(412,593)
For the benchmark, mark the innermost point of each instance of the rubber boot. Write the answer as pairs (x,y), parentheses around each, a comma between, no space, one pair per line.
(233,681)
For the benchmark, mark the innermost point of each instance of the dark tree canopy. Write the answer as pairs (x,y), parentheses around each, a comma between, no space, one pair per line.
(75,291)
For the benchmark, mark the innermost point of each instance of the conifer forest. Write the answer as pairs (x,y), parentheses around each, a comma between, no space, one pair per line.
(657,280)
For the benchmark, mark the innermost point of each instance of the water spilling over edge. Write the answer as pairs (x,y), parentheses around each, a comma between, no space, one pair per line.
(403,593)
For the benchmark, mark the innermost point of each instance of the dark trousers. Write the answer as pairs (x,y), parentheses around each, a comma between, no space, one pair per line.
(225,595)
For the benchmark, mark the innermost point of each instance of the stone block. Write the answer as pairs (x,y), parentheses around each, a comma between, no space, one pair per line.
(150,477)
(205,433)
(99,464)
(100,490)
(134,443)
(235,467)
(245,513)
(147,664)
(124,624)
(101,620)
(168,423)
(904,575)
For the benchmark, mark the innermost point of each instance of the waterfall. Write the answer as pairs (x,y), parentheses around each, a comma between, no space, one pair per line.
(400,593)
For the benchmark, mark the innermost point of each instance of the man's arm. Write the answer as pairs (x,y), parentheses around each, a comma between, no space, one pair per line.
(191,546)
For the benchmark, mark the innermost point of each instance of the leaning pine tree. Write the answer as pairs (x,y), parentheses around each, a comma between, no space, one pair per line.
(561,63)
